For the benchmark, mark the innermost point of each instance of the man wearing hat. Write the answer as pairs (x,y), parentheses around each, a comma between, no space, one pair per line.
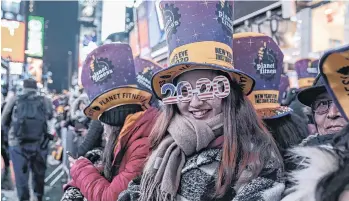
(325,169)
(327,117)
(26,115)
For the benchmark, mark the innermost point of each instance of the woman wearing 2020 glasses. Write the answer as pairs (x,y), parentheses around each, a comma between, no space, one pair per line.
(206,144)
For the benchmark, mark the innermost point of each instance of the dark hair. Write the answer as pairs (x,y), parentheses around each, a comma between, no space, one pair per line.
(114,119)
(287,131)
(331,186)
(30,83)
(108,154)
(241,129)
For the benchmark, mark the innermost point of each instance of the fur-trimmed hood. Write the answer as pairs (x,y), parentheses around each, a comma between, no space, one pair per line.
(317,163)
(323,173)
(76,114)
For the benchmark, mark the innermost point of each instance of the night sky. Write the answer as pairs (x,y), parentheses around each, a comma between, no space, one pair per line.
(60,38)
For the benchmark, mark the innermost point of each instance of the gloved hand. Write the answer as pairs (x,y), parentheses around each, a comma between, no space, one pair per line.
(95,156)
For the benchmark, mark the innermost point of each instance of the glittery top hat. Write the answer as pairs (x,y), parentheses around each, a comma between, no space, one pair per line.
(59,105)
(334,67)
(284,85)
(258,55)
(55,102)
(109,79)
(306,69)
(199,37)
(145,69)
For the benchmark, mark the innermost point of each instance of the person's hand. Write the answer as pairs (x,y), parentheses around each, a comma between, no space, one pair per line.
(72,160)
(83,131)
(62,123)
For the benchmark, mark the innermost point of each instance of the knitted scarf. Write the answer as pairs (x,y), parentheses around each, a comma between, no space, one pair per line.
(162,173)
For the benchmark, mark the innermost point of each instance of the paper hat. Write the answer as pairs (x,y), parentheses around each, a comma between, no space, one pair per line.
(59,105)
(284,85)
(258,55)
(334,67)
(306,69)
(109,79)
(199,37)
(144,72)
(55,102)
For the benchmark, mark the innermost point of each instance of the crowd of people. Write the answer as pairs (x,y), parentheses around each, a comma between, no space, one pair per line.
(220,123)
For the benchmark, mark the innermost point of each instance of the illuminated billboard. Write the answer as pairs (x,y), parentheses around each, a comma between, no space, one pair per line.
(36,26)
(12,40)
(143,29)
(16,68)
(35,68)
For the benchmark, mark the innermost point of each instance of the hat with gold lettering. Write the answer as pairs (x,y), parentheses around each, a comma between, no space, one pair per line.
(199,37)
(258,55)
(109,79)
(283,87)
(145,70)
(334,67)
(307,70)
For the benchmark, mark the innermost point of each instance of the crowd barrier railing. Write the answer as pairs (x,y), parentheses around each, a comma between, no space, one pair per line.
(68,136)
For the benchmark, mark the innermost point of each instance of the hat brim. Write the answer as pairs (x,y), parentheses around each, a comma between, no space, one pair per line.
(168,75)
(330,80)
(274,113)
(307,96)
(115,97)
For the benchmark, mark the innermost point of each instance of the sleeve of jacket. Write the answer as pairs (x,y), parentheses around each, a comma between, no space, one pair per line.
(93,138)
(7,111)
(95,187)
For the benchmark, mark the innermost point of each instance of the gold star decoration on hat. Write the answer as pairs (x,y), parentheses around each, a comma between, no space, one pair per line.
(92,65)
(261,51)
(145,70)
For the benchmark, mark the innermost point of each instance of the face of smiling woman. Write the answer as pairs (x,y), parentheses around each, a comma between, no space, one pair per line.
(196,108)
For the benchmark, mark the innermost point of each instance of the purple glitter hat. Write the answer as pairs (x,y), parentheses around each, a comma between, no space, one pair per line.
(55,103)
(284,85)
(59,106)
(108,76)
(258,55)
(199,37)
(144,72)
(307,70)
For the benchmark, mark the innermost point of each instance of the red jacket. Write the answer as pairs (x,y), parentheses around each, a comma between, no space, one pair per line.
(132,150)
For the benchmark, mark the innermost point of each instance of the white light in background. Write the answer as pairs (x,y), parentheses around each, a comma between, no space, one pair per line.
(16,68)
(113,17)
(159,13)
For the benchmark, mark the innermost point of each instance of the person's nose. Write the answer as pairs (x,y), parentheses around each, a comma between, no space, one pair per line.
(195,101)
(333,112)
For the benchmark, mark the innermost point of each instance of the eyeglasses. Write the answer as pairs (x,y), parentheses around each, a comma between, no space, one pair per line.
(321,106)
